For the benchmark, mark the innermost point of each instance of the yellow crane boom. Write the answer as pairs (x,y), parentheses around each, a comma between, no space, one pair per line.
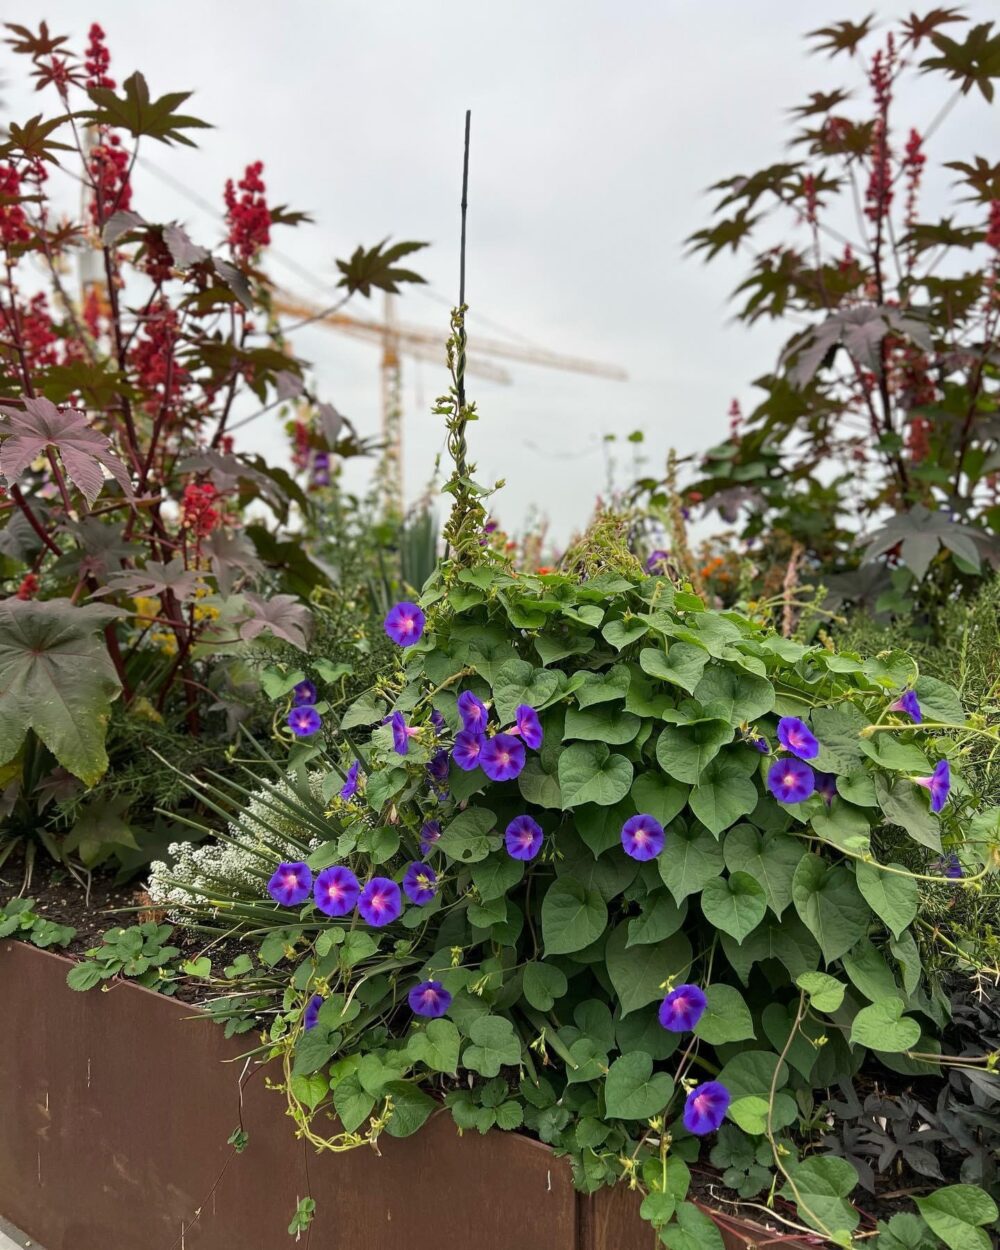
(398,339)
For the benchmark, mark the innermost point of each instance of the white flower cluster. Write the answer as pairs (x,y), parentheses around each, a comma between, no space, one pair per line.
(226,870)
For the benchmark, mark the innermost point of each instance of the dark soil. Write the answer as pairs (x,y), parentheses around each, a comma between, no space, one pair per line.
(92,907)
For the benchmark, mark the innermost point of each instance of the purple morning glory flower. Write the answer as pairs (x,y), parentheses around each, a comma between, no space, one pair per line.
(528,726)
(642,836)
(706,1107)
(826,785)
(950,866)
(420,883)
(429,998)
(350,787)
(290,884)
(405,624)
(682,1008)
(380,902)
(472,711)
(467,749)
(304,692)
(429,834)
(759,743)
(938,783)
(910,704)
(321,468)
(438,722)
(437,768)
(401,733)
(491,526)
(523,838)
(303,721)
(796,736)
(336,890)
(310,1016)
(791,781)
(502,757)
(657,560)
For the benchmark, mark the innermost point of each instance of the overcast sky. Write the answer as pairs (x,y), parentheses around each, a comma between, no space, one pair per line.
(596,126)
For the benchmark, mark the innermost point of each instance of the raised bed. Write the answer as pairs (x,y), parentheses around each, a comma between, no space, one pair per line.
(116,1110)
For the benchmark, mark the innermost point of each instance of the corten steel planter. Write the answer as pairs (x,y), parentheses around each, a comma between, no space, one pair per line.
(116,1107)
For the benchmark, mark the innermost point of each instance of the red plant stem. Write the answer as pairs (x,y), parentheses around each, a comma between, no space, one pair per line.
(975,383)
(33,521)
(114,651)
(57,473)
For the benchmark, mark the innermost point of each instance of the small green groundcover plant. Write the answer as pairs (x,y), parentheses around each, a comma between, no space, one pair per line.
(597,862)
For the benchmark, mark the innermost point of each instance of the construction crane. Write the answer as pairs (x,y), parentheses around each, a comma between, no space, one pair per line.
(399,339)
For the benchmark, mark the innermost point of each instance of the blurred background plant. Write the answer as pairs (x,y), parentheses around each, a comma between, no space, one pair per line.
(872,460)
(150,568)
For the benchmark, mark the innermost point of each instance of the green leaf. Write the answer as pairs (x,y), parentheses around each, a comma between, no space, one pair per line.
(685,751)
(682,665)
(843,826)
(882,1026)
(726,1017)
(770,858)
(723,795)
(838,730)
(733,695)
(621,634)
(693,1231)
(826,993)
(750,1072)
(589,773)
(632,1091)
(821,1187)
(572,917)
(611,686)
(538,786)
(310,1090)
(436,1046)
(658,796)
(495,876)
(277,684)
(905,804)
(84,976)
(787,940)
(939,701)
(135,111)
(517,682)
(353,1104)
(493,1044)
(465,839)
(376,267)
(659,917)
(689,859)
(57,679)
(638,973)
(829,905)
(365,710)
(734,904)
(603,723)
(411,1107)
(543,984)
(869,971)
(600,828)
(957,1213)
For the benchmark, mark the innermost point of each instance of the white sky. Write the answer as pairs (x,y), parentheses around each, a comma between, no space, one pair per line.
(596,127)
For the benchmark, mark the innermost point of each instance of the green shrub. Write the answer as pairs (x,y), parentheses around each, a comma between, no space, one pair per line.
(807,944)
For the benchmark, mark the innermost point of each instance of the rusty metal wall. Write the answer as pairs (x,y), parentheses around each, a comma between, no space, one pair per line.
(115,1108)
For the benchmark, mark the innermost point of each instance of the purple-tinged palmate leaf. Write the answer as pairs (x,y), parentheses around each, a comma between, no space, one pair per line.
(283,615)
(183,251)
(85,452)
(154,579)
